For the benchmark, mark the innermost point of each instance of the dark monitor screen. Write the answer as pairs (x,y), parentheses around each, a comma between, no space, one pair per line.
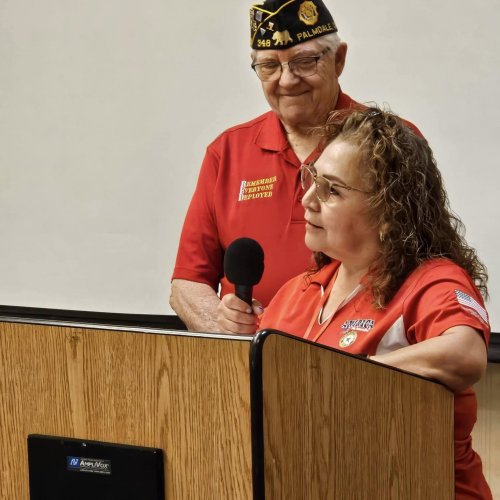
(74,469)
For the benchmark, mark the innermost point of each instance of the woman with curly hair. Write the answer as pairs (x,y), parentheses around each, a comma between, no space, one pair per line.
(393,278)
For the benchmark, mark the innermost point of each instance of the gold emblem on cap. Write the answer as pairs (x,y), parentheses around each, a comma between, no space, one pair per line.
(308,13)
(282,38)
(348,338)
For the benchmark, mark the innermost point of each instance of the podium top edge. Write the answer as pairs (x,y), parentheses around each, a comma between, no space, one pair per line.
(135,323)
(139,320)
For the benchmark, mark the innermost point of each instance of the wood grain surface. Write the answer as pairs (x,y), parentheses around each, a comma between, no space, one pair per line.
(188,396)
(486,434)
(341,428)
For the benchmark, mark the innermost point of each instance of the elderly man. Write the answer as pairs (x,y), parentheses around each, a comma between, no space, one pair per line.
(249,184)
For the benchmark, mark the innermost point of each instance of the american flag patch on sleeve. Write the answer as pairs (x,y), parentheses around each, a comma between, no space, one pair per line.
(467,302)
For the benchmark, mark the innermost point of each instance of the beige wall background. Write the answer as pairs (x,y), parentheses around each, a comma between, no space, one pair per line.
(106,109)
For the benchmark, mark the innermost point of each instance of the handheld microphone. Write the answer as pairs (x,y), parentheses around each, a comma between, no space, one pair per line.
(244,266)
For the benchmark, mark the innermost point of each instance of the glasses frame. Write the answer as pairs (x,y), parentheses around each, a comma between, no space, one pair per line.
(290,65)
(317,179)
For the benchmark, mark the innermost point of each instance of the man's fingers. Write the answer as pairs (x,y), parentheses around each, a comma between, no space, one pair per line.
(235,316)
(237,328)
(232,302)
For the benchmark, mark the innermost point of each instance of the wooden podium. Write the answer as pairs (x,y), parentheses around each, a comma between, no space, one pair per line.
(269,416)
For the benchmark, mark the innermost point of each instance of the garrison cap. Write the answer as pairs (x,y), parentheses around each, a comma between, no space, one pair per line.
(280,24)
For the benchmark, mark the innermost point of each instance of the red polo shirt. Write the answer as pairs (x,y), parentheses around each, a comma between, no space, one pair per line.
(435,297)
(249,185)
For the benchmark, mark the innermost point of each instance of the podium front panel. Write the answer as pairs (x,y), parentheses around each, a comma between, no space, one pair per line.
(186,394)
(339,427)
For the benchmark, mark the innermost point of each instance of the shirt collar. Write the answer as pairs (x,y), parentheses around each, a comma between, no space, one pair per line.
(271,135)
(324,275)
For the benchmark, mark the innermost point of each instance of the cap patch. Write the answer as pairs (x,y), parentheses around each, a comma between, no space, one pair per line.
(280,24)
(308,13)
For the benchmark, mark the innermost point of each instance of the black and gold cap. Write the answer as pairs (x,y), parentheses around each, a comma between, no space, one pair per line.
(280,24)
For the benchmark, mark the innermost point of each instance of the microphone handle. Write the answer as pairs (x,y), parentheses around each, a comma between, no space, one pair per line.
(244,292)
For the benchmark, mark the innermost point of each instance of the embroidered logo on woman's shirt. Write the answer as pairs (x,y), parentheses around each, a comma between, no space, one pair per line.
(363,325)
(348,338)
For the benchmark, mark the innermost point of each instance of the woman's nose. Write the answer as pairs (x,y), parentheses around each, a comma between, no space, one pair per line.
(310,199)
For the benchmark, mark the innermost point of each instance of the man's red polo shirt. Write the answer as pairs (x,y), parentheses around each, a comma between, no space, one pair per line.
(249,185)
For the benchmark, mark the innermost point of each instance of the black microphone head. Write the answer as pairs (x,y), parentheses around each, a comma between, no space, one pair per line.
(244,262)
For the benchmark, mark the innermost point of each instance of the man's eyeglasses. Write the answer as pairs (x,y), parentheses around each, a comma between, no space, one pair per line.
(302,66)
(324,187)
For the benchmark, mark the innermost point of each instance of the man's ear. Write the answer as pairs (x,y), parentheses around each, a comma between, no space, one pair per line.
(340,56)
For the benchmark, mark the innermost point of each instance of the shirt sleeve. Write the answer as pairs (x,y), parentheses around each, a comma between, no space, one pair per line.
(200,255)
(444,297)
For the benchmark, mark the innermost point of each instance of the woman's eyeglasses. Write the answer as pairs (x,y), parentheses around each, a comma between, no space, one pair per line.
(324,187)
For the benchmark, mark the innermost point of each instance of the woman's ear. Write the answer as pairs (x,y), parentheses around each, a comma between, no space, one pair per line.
(383,231)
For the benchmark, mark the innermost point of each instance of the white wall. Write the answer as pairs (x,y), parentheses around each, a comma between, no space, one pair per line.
(106,108)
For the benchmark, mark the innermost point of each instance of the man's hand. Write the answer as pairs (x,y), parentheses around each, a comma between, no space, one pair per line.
(236,316)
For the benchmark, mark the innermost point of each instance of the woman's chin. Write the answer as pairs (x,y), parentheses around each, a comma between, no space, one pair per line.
(313,244)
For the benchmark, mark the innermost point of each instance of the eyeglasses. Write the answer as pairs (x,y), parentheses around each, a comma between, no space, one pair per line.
(324,187)
(302,66)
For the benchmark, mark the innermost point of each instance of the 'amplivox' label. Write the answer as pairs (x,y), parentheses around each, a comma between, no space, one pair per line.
(92,465)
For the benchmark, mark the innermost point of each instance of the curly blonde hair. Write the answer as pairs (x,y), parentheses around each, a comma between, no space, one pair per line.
(408,203)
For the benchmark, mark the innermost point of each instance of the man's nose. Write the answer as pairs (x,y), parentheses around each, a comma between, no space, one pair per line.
(287,78)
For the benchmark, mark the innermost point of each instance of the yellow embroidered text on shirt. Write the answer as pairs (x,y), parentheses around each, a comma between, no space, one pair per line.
(259,188)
